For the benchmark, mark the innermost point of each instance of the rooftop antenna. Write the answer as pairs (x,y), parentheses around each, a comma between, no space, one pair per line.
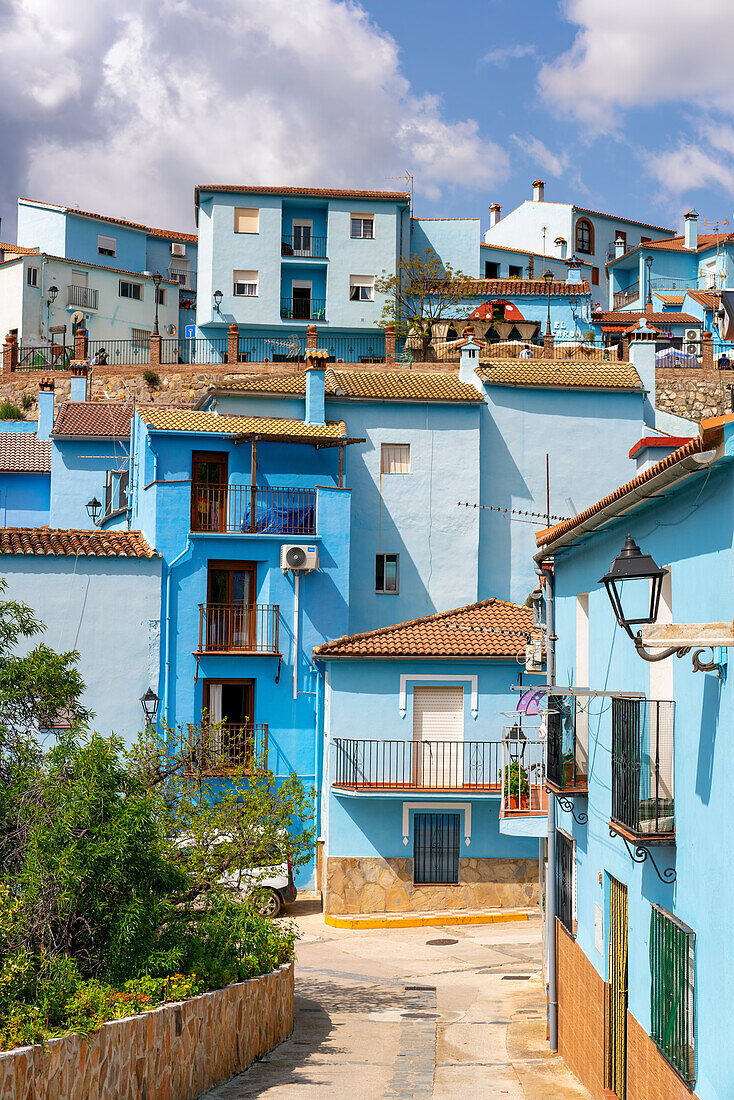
(408,180)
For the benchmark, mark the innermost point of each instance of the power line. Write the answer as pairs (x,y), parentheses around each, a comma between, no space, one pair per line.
(527,634)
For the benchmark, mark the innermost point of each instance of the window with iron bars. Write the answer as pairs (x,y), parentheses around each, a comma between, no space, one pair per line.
(436,849)
(566,881)
(672,991)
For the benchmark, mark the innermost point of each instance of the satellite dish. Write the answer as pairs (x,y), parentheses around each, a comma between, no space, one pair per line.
(171,330)
(77,318)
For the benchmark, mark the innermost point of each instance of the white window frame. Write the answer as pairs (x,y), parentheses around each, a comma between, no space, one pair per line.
(388,591)
(250,214)
(362,283)
(131,297)
(106,246)
(32,277)
(395,458)
(245,287)
(361,218)
(162,295)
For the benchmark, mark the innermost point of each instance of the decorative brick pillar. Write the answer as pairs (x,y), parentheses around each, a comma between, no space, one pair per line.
(390,343)
(233,344)
(549,345)
(626,348)
(707,351)
(312,338)
(10,353)
(80,343)
(155,351)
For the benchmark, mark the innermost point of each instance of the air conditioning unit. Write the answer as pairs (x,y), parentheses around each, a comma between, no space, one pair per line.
(692,335)
(178,248)
(298,557)
(534,657)
(693,349)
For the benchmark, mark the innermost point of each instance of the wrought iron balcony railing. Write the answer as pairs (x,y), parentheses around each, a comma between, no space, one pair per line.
(642,768)
(300,245)
(567,763)
(241,509)
(303,309)
(523,772)
(84,297)
(417,765)
(238,628)
(222,748)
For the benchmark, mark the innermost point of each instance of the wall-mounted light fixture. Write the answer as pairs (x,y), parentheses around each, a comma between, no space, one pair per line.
(52,295)
(149,703)
(218,300)
(94,507)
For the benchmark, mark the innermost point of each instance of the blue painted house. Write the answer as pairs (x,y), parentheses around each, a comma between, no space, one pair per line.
(640,822)
(418,810)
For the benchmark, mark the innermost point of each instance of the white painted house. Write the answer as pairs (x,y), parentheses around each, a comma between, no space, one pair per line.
(562,229)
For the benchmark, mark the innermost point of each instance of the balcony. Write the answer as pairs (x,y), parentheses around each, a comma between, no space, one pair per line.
(523,773)
(303,309)
(642,770)
(220,750)
(630,293)
(238,628)
(82,297)
(244,510)
(378,766)
(185,278)
(303,245)
(567,746)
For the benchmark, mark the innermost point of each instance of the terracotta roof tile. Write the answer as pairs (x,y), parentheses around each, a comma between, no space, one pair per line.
(23,452)
(378,385)
(18,249)
(630,221)
(314,192)
(564,373)
(270,427)
(525,287)
(671,299)
(491,628)
(709,299)
(173,234)
(101,419)
(69,543)
(628,317)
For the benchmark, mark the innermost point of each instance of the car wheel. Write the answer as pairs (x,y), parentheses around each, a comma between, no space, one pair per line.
(269,903)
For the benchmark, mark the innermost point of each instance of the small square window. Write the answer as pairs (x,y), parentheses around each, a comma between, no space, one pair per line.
(246,219)
(386,573)
(395,458)
(161,296)
(361,288)
(363,226)
(491,269)
(131,290)
(515,271)
(245,284)
(32,276)
(106,246)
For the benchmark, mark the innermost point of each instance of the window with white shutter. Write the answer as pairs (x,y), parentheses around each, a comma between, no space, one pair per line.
(245,284)
(106,246)
(395,458)
(246,219)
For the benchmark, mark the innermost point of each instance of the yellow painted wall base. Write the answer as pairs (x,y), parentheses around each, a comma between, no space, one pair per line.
(417,920)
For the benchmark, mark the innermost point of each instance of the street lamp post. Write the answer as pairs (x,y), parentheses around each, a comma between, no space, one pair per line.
(648,265)
(157,280)
(548,279)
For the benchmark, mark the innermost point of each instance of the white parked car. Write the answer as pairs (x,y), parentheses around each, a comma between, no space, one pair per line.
(275,882)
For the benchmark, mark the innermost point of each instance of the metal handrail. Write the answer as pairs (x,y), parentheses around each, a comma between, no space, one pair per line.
(251,510)
(364,764)
(238,628)
(222,747)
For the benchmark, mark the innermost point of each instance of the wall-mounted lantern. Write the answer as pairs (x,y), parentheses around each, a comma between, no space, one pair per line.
(149,703)
(94,507)
(218,300)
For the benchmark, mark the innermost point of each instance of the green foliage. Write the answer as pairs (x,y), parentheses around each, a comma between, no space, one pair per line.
(151,378)
(27,402)
(423,291)
(516,780)
(9,411)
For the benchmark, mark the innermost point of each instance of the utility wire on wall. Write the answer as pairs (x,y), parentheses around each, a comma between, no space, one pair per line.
(510,513)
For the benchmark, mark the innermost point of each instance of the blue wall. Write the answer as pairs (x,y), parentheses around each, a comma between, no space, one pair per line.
(25,499)
(454,240)
(78,473)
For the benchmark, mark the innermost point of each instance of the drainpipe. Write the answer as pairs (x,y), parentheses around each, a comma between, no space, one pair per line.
(167,666)
(296,602)
(550,881)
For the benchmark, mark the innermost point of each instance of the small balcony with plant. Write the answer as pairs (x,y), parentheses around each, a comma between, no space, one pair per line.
(643,808)
(523,772)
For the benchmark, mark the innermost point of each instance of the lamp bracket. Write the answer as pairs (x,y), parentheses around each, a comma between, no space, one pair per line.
(567,804)
(679,651)
(641,854)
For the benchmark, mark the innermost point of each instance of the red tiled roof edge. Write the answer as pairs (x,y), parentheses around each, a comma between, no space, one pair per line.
(660,441)
(172,233)
(72,542)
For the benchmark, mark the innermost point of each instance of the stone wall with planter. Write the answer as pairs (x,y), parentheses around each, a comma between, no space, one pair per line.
(174,1052)
(374,885)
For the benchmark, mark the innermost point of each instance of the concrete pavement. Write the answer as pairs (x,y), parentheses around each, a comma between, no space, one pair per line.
(387,1013)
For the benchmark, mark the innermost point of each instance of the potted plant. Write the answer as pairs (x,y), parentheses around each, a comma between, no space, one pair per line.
(517,787)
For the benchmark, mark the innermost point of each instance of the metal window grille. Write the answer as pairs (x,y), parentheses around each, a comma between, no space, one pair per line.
(565,881)
(436,849)
(672,992)
(642,765)
(395,458)
(140,338)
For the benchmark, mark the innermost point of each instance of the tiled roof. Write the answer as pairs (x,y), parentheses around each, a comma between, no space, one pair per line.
(314,192)
(105,267)
(529,252)
(378,385)
(630,221)
(627,317)
(708,429)
(172,234)
(565,373)
(671,299)
(709,299)
(69,543)
(513,288)
(18,249)
(678,244)
(102,419)
(22,452)
(471,218)
(491,628)
(263,427)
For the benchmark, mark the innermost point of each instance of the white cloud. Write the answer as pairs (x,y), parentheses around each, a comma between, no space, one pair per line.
(503,54)
(141,105)
(689,166)
(553,164)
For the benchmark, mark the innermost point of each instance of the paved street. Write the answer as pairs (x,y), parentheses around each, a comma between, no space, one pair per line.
(386,1013)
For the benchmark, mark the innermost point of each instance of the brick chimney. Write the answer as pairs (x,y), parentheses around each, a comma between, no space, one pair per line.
(538,190)
(78,387)
(315,386)
(691,230)
(495,213)
(45,408)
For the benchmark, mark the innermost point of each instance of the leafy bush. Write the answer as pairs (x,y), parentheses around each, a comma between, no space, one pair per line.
(27,402)
(151,378)
(9,411)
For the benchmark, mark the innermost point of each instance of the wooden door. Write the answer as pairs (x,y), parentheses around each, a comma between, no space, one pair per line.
(208,491)
(231,608)
(616,1031)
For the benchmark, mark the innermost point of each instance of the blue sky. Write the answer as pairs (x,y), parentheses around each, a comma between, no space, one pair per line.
(626,107)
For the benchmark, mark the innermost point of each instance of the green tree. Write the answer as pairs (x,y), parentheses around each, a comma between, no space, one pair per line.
(422,292)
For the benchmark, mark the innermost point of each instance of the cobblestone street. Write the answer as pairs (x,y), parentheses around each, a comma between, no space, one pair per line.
(413,1014)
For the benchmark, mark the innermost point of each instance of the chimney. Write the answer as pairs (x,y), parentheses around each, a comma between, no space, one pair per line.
(45,408)
(469,357)
(642,355)
(619,247)
(691,233)
(538,190)
(561,244)
(78,388)
(574,271)
(495,213)
(315,386)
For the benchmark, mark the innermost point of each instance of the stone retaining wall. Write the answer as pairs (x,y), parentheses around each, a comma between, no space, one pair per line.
(697,394)
(374,885)
(174,1052)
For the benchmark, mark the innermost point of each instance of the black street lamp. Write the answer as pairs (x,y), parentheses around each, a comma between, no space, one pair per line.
(643,577)
(648,265)
(217,299)
(149,703)
(548,279)
(518,744)
(94,507)
(52,294)
(157,280)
